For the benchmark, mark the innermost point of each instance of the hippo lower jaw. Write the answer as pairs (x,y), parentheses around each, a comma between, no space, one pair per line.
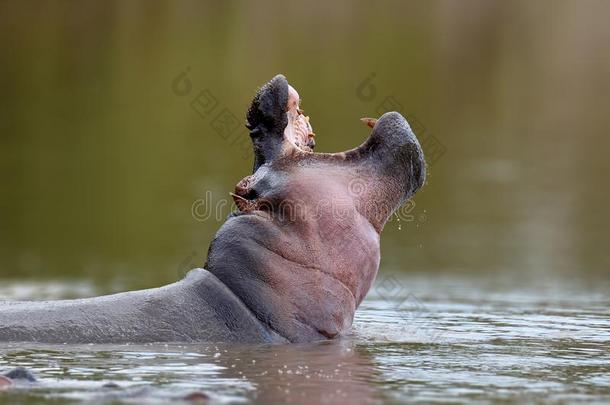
(391,135)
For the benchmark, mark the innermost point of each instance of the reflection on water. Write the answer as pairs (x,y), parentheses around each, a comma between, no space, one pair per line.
(447,339)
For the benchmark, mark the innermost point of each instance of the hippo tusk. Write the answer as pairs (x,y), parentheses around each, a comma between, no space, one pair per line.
(369,122)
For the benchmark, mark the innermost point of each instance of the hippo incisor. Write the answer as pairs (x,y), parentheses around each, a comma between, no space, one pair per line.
(291,264)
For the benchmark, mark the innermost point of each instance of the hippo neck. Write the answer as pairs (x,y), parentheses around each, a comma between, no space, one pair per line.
(312,296)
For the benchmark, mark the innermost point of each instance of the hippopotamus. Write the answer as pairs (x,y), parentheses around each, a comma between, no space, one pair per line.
(290,264)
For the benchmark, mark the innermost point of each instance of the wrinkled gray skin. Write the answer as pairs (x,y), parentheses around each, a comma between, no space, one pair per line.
(274,274)
(197,308)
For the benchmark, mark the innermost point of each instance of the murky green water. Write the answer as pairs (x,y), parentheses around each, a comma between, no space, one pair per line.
(102,160)
(415,339)
(111,179)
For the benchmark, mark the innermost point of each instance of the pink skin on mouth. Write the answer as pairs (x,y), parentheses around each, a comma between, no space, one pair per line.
(298,131)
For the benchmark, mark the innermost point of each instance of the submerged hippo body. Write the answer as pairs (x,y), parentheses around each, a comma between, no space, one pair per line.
(197,308)
(292,264)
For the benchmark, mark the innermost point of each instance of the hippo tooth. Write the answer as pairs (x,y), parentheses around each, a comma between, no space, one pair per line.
(370,122)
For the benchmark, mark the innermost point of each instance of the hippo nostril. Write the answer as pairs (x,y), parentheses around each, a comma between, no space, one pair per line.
(252,194)
(247,193)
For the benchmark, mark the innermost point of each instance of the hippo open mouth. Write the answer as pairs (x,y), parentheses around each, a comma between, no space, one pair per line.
(315,253)
(281,131)
(298,131)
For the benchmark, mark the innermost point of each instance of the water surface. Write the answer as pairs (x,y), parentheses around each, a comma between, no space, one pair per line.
(415,339)
(496,274)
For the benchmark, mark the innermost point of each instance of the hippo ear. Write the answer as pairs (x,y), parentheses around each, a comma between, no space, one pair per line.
(267,119)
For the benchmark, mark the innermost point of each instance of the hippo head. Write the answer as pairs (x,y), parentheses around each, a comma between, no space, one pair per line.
(302,249)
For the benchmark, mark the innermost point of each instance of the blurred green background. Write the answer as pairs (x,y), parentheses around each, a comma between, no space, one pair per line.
(103,158)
